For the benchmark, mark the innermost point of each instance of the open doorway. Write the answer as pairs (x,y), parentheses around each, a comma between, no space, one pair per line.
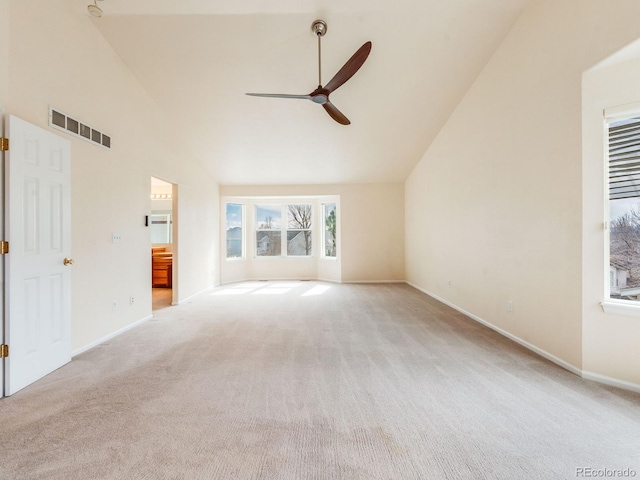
(163,243)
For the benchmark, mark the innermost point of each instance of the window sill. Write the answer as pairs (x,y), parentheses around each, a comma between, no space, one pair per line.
(286,258)
(621,308)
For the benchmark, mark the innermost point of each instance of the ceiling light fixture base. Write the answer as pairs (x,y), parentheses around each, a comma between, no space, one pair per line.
(319,27)
(94,9)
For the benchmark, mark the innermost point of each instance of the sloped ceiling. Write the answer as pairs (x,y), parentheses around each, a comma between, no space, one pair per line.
(197,58)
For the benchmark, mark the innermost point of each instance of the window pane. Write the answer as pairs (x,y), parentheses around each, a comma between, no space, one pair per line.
(268,217)
(299,216)
(329,214)
(234,230)
(299,242)
(624,253)
(268,244)
(299,230)
(161,228)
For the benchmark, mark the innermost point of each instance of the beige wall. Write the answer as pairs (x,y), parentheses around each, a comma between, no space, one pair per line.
(371,225)
(57,57)
(611,342)
(4,51)
(494,206)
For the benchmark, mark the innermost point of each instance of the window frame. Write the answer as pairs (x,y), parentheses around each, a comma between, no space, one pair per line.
(249,204)
(256,206)
(323,235)
(243,224)
(610,305)
(287,228)
(283,204)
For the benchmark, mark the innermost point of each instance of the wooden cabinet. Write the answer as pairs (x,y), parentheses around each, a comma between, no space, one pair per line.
(161,268)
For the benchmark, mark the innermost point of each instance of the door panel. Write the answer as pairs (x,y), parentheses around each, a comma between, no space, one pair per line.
(38,227)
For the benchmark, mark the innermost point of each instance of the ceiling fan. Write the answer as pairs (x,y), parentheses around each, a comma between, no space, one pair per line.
(321,94)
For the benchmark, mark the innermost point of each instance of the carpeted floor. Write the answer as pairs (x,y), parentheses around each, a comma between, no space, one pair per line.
(306,380)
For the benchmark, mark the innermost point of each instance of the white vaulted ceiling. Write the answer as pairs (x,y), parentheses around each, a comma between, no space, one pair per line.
(197,58)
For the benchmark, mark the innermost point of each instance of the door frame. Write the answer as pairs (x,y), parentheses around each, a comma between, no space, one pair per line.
(174,242)
(3,325)
(174,234)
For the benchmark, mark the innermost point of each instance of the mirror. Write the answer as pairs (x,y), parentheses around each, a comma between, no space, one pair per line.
(161,223)
(161,218)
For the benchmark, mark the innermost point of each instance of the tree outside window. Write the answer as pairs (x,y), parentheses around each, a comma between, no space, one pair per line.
(329,211)
(624,253)
(299,230)
(624,207)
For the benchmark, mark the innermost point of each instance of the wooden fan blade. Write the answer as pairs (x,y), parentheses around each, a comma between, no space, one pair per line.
(279,95)
(349,69)
(336,114)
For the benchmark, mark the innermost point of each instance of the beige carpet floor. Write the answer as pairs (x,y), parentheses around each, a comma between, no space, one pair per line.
(306,380)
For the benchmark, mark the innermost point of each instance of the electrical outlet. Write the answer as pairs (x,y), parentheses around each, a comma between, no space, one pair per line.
(449,283)
(132,300)
(114,305)
(116,237)
(509,306)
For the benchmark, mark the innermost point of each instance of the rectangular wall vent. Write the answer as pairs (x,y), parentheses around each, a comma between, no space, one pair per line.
(62,121)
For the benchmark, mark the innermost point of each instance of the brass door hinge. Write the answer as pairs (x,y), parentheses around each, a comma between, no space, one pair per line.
(4,351)
(4,247)
(4,144)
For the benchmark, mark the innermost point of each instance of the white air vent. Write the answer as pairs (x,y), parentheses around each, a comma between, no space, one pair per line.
(62,121)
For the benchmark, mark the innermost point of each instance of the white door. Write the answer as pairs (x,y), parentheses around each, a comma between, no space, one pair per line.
(38,227)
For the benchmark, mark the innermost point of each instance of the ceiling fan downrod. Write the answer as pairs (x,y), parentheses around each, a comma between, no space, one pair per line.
(319,27)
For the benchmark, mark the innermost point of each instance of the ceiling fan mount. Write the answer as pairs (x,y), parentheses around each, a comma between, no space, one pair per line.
(319,27)
(321,94)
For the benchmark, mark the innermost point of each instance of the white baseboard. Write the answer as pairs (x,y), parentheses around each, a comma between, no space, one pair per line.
(110,336)
(376,281)
(327,280)
(309,279)
(558,361)
(613,382)
(201,292)
(595,377)
(133,325)
(289,279)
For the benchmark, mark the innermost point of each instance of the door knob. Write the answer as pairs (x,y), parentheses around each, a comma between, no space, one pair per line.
(67,262)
